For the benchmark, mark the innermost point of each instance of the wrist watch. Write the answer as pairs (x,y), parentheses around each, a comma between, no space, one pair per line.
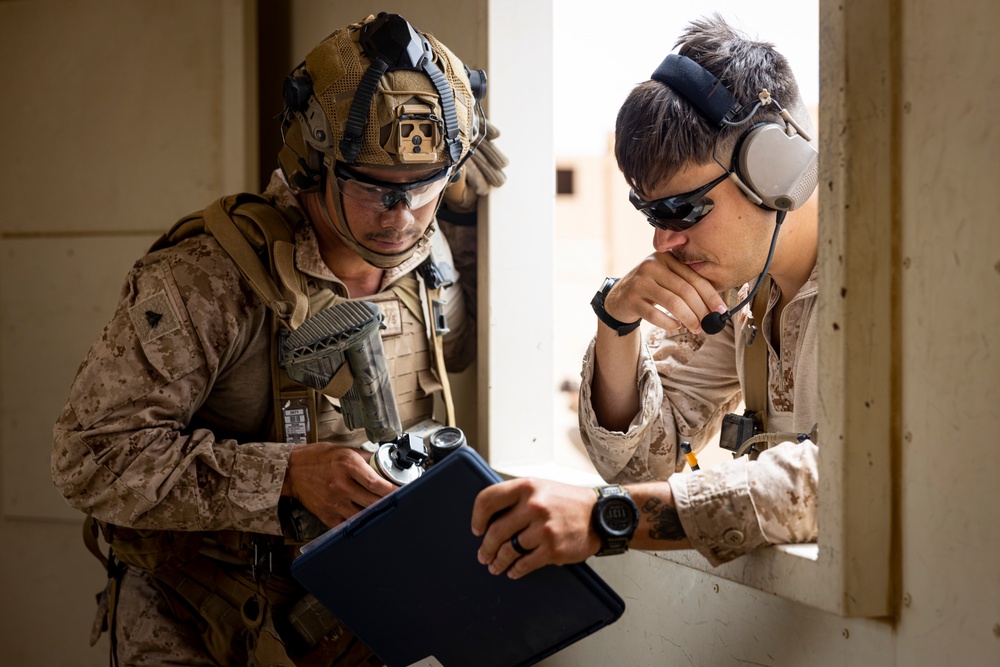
(597,303)
(615,519)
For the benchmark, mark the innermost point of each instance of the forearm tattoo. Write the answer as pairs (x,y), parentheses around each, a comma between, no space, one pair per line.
(666,525)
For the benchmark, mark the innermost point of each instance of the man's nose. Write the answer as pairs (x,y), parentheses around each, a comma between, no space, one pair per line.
(399,216)
(664,240)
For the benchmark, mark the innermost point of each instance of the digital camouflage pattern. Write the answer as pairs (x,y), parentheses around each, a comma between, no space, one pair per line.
(686,383)
(168,420)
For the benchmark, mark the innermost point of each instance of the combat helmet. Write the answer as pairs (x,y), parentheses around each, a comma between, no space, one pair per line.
(378,93)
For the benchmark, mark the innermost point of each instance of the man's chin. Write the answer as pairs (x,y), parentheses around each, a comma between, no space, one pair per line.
(389,247)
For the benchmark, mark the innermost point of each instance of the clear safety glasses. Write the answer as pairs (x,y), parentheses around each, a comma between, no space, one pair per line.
(680,212)
(382,196)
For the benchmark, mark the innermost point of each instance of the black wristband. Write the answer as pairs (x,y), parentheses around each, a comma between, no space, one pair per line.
(597,303)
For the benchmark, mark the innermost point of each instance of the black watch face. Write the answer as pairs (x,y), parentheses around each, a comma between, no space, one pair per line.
(617,516)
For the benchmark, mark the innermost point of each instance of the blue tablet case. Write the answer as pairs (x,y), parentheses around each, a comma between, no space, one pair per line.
(403,576)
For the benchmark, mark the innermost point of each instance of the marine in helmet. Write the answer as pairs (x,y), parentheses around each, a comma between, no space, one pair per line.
(196,457)
(377,116)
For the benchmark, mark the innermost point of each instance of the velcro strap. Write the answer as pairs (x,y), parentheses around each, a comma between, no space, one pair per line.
(357,118)
(90,540)
(341,382)
(222,227)
(284,261)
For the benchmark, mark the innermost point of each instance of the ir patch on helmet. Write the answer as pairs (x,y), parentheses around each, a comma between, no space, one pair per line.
(417,133)
(154,317)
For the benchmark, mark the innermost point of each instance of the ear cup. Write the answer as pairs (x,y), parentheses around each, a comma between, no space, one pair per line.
(782,170)
(297,89)
(295,157)
(306,133)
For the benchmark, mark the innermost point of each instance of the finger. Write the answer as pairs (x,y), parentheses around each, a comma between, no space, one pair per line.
(498,536)
(371,482)
(359,497)
(707,292)
(665,304)
(659,317)
(527,564)
(489,502)
(655,292)
(506,555)
(670,301)
(336,513)
(356,483)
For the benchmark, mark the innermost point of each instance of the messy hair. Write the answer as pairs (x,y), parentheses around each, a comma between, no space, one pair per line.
(658,132)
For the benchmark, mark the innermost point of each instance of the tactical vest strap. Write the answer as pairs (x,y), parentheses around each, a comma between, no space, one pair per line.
(755,371)
(434,286)
(290,303)
(284,263)
(755,360)
(220,225)
(248,227)
(90,531)
(438,338)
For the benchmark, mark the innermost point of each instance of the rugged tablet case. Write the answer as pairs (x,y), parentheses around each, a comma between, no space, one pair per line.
(403,576)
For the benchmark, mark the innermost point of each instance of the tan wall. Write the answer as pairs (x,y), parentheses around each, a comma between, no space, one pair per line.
(118,118)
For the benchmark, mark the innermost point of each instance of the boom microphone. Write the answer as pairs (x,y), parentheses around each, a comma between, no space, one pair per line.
(713,323)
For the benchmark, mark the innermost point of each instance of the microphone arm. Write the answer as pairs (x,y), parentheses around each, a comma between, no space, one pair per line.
(713,323)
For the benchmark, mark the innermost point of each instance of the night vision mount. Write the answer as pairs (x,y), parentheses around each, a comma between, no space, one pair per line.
(391,43)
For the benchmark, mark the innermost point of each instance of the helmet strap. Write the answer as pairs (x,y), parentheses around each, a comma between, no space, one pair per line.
(376,259)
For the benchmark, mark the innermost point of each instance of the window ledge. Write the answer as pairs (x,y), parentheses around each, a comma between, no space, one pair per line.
(793,571)
(548,470)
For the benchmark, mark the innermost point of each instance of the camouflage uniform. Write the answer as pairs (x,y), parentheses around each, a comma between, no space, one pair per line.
(168,420)
(686,383)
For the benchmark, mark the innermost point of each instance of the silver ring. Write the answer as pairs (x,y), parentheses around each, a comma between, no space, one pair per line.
(517,546)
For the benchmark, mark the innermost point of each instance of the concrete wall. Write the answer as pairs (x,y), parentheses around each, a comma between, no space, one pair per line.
(117,118)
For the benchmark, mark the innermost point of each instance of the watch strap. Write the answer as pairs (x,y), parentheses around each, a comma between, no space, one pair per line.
(612,545)
(616,325)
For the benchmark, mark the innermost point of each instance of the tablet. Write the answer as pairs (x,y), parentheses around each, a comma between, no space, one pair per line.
(403,576)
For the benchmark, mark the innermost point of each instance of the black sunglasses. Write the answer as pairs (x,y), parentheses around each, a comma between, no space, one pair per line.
(680,212)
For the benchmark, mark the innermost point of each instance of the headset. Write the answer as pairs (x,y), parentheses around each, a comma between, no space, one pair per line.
(774,165)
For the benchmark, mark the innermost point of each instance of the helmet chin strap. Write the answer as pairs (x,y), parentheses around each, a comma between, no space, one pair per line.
(377,259)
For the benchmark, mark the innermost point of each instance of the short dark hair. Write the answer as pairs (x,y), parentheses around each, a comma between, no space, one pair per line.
(658,132)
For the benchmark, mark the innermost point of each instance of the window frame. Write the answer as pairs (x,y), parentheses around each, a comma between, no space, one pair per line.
(850,571)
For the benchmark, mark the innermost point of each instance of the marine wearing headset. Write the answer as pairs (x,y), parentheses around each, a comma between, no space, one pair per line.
(202,463)
(716,149)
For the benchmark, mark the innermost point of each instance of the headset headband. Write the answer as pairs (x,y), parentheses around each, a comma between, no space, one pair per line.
(699,87)
(391,43)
